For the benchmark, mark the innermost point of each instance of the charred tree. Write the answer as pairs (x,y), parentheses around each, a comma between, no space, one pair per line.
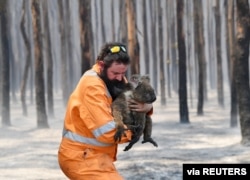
(183,105)
(153,17)
(190,49)
(162,74)
(199,46)
(103,33)
(231,61)
(5,65)
(113,19)
(69,60)
(1,65)
(86,34)
(145,36)
(242,68)
(226,7)
(211,45)
(174,46)
(133,44)
(168,49)
(218,54)
(123,35)
(42,121)
(28,60)
(64,64)
(49,56)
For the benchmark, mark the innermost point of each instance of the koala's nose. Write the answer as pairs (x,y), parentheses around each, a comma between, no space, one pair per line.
(153,97)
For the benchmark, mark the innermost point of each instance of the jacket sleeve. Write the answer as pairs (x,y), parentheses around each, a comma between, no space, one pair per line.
(97,114)
(150,112)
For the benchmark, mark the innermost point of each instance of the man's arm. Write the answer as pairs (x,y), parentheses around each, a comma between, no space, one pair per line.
(140,107)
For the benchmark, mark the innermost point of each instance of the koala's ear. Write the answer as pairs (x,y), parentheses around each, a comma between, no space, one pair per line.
(145,78)
(135,77)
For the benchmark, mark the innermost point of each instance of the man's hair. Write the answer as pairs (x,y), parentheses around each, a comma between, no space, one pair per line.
(113,51)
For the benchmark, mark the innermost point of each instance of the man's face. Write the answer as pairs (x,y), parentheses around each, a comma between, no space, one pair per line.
(113,77)
(116,71)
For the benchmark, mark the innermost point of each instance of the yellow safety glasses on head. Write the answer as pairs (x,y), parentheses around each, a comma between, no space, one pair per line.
(117,49)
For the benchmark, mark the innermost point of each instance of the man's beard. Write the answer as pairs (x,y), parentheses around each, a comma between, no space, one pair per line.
(115,87)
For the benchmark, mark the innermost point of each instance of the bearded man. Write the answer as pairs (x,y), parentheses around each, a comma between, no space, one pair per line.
(88,148)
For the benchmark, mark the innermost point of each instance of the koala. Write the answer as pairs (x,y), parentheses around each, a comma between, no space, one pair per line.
(139,123)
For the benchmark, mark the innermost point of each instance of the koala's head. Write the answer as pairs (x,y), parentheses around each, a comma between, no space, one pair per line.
(134,79)
(144,92)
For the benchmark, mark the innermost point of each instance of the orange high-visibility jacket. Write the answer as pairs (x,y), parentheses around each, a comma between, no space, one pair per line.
(88,121)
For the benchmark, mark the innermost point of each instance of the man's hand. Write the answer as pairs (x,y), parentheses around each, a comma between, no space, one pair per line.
(139,107)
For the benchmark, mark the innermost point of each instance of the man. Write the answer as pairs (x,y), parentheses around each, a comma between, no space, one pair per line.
(88,149)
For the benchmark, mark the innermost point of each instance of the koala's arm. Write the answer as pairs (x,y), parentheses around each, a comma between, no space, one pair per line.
(120,113)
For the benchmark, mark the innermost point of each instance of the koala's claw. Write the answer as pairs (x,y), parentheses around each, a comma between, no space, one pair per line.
(127,148)
(118,135)
(151,141)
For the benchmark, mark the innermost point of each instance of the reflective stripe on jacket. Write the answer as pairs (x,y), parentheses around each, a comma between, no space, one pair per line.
(88,118)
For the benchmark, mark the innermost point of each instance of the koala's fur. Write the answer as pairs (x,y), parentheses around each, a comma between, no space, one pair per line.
(139,123)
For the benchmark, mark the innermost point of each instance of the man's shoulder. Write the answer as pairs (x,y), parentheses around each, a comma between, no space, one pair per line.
(90,72)
(91,77)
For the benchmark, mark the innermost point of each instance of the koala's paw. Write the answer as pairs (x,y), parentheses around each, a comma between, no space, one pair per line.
(127,148)
(150,140)
(119,133)
(136,129)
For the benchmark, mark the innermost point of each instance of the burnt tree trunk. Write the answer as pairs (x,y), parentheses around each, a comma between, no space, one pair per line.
(86,34)
(123,35)
(145,36)
(153,10)
(190,48)
(183,105)
(133,44)
(162,74)
(42,121)
(168,49)
(231,57)
(69,59)
(28,60)
(199,47)
(113,20)
(218,55)
(242,68)
(174,47)
(48,49)
(5,65)
(64,65)
(103,32)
